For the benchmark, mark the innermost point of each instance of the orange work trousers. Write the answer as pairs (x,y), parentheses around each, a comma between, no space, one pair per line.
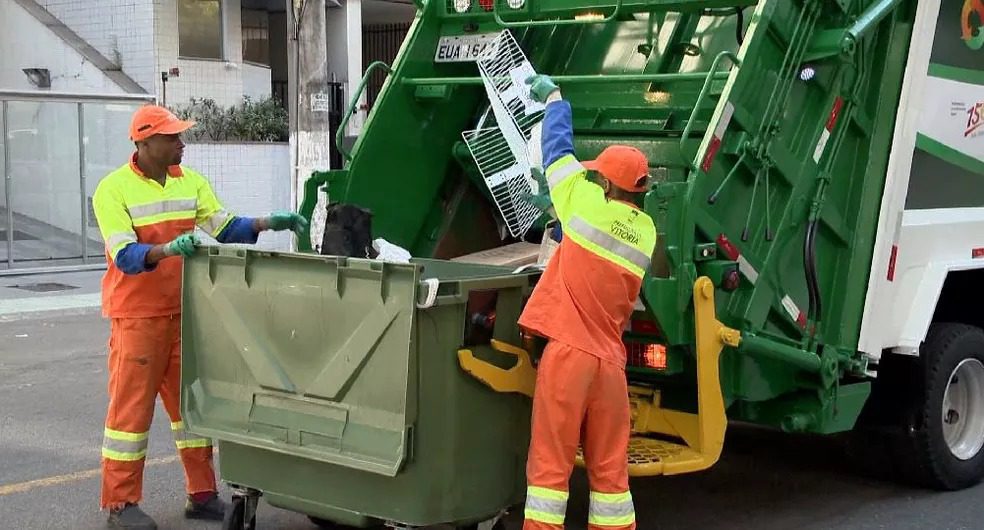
(579,398)
(144,361)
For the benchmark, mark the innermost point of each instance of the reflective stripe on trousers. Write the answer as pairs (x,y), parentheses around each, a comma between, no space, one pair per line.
(546,505)
(184,439)
(124,446)
(611,509)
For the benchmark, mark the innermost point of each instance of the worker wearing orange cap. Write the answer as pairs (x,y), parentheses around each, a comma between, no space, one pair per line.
(147,211)
(581,305)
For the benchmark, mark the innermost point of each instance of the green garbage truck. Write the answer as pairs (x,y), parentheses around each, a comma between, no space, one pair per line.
(817,190)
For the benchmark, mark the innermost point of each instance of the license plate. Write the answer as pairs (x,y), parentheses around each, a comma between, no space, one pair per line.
(462,48)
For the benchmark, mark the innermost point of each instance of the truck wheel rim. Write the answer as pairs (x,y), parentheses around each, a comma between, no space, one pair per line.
(963,409)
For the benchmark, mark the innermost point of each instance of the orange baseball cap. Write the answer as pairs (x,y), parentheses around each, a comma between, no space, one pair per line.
(627,167)
(153,119)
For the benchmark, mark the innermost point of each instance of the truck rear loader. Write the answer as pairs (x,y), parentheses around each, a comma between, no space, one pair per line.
(818,194)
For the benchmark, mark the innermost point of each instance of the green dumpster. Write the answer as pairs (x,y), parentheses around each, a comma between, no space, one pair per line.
(332,386)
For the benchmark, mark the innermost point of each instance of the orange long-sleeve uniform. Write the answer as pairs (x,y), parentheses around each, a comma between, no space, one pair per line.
(581,304)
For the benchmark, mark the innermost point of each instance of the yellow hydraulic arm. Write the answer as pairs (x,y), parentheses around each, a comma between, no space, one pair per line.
(688,442)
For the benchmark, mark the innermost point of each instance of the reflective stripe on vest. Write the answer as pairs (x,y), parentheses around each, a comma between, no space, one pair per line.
(615,249)
(610,229)
(116,242)
(185,440)
(124,446)
(153,209)
(611,509)
(563,168)
(216,223)
(546,505)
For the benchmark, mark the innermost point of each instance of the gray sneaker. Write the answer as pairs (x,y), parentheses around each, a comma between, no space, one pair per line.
(130,517)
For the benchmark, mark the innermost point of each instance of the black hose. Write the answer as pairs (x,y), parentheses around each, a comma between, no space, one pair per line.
(812,281)
(739,35)
(808,270)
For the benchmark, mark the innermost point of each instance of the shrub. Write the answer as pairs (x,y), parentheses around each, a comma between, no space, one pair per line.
(249,121)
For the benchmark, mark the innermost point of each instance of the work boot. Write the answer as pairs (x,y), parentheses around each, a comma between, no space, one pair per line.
(212,508)
(130,517)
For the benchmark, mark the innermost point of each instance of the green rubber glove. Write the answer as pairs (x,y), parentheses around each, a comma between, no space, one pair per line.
(541,86)
(184,245)
(287,221)
(540,199)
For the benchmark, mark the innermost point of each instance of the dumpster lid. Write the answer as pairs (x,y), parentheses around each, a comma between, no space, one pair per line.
(300,354)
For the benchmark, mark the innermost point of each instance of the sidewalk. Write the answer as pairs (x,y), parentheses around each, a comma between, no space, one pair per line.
(58,293)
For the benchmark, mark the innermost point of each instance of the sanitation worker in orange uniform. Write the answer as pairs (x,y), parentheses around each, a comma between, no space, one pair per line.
(147,210)
(581,305)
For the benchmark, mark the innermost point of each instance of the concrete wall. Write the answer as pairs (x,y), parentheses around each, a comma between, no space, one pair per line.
(120,29)
(251,179)
(27,43)
(224,81)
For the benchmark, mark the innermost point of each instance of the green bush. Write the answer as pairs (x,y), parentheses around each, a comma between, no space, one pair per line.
(249,121)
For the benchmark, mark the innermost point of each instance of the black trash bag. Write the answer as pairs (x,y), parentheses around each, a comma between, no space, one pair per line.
(348,232)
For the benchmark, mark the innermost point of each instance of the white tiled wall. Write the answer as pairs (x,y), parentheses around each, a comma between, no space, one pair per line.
(26,43)
(222,80)
(250,179)
(122,30)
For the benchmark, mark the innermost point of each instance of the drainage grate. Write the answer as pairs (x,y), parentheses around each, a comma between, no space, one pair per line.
(44,287)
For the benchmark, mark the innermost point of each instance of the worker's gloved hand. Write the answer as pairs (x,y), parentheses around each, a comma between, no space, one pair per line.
(184,245)
(541,87)
(287,221)
(540,199)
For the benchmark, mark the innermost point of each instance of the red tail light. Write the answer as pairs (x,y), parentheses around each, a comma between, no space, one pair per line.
(651,356)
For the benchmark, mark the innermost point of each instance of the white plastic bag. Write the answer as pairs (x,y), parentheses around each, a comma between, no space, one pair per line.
(390,252)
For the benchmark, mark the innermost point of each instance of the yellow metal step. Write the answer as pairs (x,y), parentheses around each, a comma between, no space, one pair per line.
(701,435)
(649,456)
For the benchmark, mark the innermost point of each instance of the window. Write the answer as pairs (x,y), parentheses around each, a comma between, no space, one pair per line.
(200,29)
(256,36)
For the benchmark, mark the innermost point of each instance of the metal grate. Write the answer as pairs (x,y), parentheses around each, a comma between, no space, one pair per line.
(642,451)
(505,176)
(504,153)
(44,287)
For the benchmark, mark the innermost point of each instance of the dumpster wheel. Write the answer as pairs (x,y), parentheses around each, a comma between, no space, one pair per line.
(241,514)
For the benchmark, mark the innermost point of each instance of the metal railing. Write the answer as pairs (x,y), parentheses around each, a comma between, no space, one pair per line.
(54,149)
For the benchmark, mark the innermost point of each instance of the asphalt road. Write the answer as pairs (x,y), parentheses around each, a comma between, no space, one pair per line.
(52,404)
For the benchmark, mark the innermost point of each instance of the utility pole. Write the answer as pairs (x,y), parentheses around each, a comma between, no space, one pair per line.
(310,135)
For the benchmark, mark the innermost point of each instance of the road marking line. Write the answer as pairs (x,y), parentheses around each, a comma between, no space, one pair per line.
(22,487)
(38,304)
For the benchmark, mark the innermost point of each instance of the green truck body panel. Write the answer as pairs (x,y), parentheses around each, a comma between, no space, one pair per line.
(749,157)
(328,389)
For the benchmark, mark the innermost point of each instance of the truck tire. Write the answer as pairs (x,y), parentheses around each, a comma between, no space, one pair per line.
(924,423)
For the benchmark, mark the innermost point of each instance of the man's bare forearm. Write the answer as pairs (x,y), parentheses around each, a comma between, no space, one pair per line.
(155,255)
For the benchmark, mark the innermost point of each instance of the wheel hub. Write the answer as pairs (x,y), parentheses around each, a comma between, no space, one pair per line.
(963,409)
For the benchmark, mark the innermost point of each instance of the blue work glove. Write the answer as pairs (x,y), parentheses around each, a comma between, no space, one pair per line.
(184,245)
(287,221)
(540,199)
(541,86)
